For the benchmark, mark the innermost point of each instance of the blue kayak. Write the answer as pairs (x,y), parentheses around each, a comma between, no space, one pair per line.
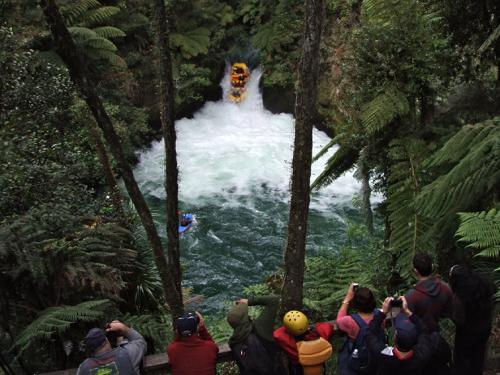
(185,228)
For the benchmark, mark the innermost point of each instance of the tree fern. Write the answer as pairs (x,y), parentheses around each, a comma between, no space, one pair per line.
(481,231)
(340,162)
(408,228)
(383,109)
(157,327)
(109,32)
(471,161)
(57,320)
(192,42)
(99,15)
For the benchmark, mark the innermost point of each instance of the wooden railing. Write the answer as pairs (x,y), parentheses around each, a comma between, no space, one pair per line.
(157,364)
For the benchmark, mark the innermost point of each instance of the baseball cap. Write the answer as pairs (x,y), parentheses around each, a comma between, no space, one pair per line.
(187,324)
(95,338)
(406,333)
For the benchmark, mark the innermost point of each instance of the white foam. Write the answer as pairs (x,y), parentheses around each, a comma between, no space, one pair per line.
(229,152)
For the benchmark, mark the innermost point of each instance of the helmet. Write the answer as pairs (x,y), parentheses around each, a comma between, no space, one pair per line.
(296,322)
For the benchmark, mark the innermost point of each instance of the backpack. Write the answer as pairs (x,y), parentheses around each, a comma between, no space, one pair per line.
(314,353)
(252,356)
(355,356)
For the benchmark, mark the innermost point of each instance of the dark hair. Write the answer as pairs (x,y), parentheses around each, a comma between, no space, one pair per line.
(422,262)
(363,300)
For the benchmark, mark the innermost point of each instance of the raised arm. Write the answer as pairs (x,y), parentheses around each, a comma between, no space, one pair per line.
(264,324)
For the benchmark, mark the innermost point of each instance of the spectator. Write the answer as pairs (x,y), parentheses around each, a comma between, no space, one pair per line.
(413,345)
(473,307)
(252,342)
(296,330)
(355,326)
(193,350)
(431,299)
(124,359)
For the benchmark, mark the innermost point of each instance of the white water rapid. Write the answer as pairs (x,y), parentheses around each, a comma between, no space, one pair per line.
(235,166)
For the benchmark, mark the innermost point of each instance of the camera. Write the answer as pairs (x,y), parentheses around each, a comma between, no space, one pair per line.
(396,302)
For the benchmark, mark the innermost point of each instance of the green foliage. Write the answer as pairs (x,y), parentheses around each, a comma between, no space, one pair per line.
(481,230)
(490,41)
(408,228)
(470,170)
(57,320)
(193,42)
(340,162)
(88,25)
(329,274)
(157,327)
(379,112)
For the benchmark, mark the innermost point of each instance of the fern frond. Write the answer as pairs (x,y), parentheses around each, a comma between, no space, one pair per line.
(383,109)
(192,42)
(409,229)
(99,44)
(481,230)
(490,41)
(334,141)
(339,163)
(100,15)
(109,56)
(56,320)
(82,33)
(471,178)
(109,32)
(76,9)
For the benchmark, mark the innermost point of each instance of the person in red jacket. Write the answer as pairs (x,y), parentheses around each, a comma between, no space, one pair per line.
(193,350)
(296,328)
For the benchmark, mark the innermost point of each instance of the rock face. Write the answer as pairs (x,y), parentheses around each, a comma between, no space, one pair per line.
(278,99)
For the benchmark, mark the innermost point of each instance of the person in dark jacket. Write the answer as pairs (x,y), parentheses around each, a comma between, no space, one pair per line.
(413,345)
(431,299)
(124,359)
(193,350)
(260,329)
(473,314)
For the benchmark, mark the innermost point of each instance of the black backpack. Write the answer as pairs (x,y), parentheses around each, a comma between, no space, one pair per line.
(252,357)
(355,356)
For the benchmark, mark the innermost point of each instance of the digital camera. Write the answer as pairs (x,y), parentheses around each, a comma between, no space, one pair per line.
(396,302)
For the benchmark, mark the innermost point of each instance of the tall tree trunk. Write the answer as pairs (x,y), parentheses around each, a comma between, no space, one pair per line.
(366,191)
(102,154)
(305,102)
(81,78)
(167,97)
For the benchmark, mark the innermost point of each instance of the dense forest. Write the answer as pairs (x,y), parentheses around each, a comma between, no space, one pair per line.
(409,92)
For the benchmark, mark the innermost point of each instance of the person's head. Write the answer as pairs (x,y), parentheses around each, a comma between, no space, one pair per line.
(406,334)
(364,300)
(187,325)
(422,263)
(296,322)
(238,315)
(96,341)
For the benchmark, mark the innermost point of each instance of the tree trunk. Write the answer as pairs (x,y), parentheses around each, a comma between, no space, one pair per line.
(167,97)
(102,154)
(79,74)
(305,102)
(366,194)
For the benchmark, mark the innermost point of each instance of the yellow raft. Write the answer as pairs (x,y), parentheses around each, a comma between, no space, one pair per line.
(240,75)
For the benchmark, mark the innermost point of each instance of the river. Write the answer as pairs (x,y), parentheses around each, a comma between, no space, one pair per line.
(234,167)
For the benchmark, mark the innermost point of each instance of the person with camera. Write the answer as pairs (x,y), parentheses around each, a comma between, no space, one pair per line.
(124,359)
(193,350)
(252,342)
(412,344)
(432,298)
(354,357)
